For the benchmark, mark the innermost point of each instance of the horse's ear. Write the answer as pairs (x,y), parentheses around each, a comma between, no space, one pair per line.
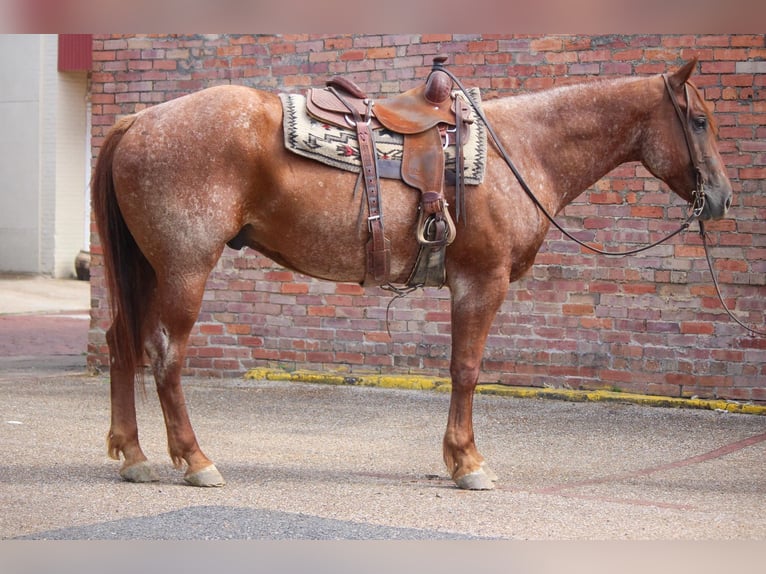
(679,77)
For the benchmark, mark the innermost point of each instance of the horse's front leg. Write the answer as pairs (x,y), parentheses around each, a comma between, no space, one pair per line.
(473,310)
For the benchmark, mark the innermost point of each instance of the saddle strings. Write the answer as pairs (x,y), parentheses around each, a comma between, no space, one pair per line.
(399,293)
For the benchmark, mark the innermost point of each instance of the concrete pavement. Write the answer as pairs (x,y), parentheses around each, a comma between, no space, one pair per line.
(310,461)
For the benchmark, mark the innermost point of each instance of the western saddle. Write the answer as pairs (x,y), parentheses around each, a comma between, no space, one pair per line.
(428,116)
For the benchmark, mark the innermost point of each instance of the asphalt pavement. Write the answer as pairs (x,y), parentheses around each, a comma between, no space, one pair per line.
(347,462)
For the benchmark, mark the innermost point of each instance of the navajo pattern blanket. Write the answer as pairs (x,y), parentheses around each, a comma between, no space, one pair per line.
(339,148)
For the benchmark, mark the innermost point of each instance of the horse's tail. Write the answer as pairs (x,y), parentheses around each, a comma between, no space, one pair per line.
(127,272)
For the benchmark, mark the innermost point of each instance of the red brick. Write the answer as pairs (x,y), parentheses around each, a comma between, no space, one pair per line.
(697,328)
(104,56)
(342,43)
(606,198)
(753,173)
(381,53)
(239,329)
(352,55)
(349,289)
(211,329)
(731,54)
(689,251)
(435,38)
(546,44)
(321,311)
(640,288)
(646,211)
(157,65)
(577,309)
(282,48)
(678,41)
(279,276)
(294,288)
(482,46)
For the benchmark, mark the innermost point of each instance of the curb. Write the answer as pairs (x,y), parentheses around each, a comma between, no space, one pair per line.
(441,384)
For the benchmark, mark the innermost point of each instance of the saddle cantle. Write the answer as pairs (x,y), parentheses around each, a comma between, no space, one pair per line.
(424,115)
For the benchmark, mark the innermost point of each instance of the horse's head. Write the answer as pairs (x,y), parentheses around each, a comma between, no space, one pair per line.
(682,149)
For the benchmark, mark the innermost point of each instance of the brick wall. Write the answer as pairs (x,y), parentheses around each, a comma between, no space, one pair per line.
(647,323)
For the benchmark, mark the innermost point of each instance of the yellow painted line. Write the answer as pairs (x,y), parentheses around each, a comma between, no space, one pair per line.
(414,382)
(418,382)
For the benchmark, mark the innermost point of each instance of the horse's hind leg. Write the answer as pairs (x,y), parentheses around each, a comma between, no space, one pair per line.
(123,433)
(175,308)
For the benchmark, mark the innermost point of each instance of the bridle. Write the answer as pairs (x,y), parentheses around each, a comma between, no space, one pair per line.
(698,195)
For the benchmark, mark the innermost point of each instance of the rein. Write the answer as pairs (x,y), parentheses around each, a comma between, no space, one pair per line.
(695,209)
(718,288)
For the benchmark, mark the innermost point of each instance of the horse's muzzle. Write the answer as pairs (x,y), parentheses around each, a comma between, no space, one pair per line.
(717,204)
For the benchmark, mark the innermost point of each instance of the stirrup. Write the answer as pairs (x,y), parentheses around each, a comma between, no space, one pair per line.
(426,220)
(429,269)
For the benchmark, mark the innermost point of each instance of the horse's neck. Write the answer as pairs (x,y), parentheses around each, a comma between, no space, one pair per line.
(575,135)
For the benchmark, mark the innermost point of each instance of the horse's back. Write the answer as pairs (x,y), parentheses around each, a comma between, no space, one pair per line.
(176,133)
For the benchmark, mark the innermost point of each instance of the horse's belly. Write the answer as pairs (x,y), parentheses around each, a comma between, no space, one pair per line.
(335,259)
(314,221)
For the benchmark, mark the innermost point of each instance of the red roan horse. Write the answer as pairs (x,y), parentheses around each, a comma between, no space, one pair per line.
(175,182)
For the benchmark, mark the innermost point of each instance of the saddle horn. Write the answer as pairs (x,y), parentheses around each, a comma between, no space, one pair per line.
(439,84)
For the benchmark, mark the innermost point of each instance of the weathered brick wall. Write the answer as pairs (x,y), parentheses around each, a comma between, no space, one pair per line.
(647,323)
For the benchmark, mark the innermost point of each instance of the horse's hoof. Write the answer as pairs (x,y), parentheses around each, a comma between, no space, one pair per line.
(489,472)
(208,476)
(476,480)
(139,472)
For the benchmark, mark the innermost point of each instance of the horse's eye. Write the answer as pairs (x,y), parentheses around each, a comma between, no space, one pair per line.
(699,123)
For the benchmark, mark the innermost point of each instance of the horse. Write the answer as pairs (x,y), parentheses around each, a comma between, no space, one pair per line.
(176,182)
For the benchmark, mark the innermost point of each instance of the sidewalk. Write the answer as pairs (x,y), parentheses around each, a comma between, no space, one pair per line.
(43,324)
(24,294)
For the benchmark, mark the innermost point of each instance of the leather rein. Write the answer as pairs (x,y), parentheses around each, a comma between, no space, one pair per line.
(695,209)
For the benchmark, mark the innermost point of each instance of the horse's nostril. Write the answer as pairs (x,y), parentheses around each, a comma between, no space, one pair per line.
(727,203)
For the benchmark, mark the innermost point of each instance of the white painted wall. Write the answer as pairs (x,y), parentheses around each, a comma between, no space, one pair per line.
(43,158)
(71,181)
(20,59)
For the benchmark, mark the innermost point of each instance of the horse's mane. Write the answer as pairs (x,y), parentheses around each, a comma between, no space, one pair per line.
(559,93)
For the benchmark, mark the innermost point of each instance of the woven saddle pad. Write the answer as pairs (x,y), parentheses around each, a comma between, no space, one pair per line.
(339,148)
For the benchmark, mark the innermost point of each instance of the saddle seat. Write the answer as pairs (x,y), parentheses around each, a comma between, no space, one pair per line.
(410,112)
